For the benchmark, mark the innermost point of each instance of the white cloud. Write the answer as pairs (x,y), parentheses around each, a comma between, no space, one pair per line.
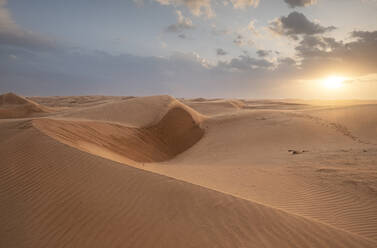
(197,7)
(183,23)
(204,7)
(241,4)
(300,3)
(252,28)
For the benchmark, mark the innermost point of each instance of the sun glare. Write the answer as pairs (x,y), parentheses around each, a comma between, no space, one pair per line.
(334,82)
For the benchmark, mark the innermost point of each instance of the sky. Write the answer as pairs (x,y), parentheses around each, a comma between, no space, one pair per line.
(309,49)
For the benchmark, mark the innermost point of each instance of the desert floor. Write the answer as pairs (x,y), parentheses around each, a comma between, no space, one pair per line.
(99,171)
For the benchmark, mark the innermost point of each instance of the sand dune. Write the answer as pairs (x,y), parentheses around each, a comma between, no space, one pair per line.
(76,101)
(136,112)
(14,106)
(265,196)
(177,131)
(252,146)
(56,196)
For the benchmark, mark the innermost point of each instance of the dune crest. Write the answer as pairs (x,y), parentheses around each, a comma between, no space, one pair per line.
(15,106)
(134,112)
(177,131)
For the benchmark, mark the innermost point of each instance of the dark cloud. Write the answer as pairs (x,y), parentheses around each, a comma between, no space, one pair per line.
(365,35)
(216,31)
(263,53)
(221,52)
(300,3)
(286,61)
(240,40)
(321,54)
(182,36)
(246,63)
(296,24)
(318,46)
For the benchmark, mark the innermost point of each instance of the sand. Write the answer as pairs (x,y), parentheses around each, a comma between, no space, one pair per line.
(14,106)
(173,134)
(161,172)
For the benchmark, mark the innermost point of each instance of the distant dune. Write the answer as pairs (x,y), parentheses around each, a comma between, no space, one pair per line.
(14,106)
(155,171)
(215,106)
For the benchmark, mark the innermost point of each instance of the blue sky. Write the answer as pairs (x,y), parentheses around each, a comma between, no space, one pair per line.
(209,48)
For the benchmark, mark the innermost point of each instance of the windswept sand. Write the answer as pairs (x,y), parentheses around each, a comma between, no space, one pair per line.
(158,172)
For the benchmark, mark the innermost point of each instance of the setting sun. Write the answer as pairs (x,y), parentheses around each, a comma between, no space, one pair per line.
(334,82)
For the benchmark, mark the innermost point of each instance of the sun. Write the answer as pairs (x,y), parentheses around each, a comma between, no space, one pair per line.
(334,82)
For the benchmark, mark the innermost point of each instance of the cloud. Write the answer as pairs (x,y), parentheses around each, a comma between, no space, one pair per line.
(13,35)
(197,7)
(246,63)
(139,3)
(300,3)
(182,36)
(221,52)
(182,24)
(204,7)
(241,4)
(296,24)
(216,31)
(68,72)
(252,28)
(321,55)
(286,61)
(240,40)
(263,53)
(318,46)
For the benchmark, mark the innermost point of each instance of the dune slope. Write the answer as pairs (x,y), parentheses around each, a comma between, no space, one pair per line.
(359,120)
(246,154)
(52,195)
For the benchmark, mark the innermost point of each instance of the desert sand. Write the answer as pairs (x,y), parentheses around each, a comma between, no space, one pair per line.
(99,171)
